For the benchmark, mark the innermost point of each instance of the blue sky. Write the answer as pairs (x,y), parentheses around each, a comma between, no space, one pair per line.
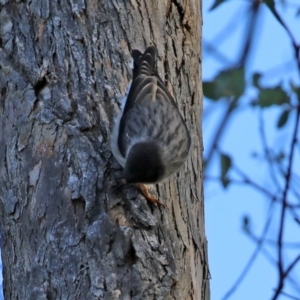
(229,247)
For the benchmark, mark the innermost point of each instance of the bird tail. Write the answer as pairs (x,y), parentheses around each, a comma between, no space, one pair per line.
(144,63)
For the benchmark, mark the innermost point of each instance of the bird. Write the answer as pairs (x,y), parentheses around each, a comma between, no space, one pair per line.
(150,138)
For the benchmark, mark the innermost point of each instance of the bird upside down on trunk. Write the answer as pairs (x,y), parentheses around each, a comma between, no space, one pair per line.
(150,138)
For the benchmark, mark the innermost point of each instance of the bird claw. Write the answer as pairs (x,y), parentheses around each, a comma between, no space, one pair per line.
(144,190)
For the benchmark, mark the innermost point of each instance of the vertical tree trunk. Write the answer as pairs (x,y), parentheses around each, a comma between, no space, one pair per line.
(64,66)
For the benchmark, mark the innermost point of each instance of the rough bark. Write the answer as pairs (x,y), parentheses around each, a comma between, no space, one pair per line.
(64,67)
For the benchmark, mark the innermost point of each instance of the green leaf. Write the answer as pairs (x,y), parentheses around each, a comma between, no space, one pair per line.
(228,83)
(225,166)
(225,181)
(280,157)
(225,163)
(283,118)
(255,79)
(272,96)
(295,89)
(210,90)
(231,82)
(216,4)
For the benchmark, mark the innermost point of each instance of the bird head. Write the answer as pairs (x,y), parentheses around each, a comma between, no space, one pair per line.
(144,163)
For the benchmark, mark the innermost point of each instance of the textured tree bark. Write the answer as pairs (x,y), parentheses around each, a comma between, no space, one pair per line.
(64,67)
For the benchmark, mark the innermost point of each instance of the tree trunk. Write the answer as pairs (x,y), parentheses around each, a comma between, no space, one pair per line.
(64,67)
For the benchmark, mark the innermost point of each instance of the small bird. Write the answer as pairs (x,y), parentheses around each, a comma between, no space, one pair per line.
(150,138)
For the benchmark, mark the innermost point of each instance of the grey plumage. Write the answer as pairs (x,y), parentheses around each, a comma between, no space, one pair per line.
(150,139)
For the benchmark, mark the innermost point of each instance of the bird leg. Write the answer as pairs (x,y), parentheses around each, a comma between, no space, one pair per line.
(144,190)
